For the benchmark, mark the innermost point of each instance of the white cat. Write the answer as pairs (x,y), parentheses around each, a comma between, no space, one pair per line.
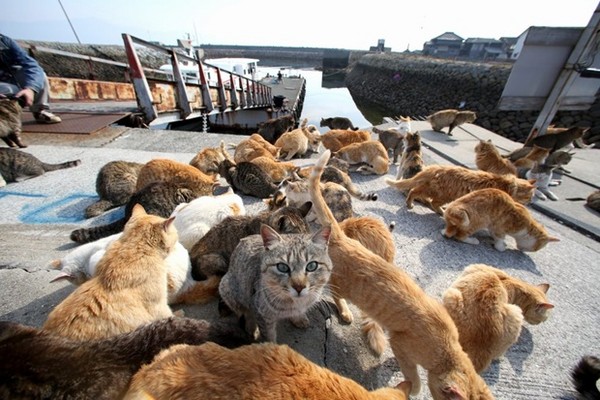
(543,180)
(194,219)
(79,265)
(403,125)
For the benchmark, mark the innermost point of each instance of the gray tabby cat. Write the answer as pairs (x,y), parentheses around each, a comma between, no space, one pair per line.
(115,184)
(10,122)
(16,165)
(273,277)
(247,178)
(210,255)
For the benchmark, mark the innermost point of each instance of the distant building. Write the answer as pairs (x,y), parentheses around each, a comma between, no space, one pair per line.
(450,45)
(446,45)
(380,48)
(481,48)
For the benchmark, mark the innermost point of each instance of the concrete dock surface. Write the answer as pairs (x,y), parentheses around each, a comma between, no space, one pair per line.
(39,214)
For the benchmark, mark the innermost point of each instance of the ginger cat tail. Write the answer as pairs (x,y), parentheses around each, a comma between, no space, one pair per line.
(420,329)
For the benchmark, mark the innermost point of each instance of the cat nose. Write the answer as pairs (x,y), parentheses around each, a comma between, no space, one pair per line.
(298,287)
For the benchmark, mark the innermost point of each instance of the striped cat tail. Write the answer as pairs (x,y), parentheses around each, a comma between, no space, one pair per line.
(98,208)
(85,235)
(54,167)
(324,214)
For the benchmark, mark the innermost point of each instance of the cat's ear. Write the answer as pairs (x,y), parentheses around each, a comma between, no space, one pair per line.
(452,392)
(167,223)
(552,239)
(544,287)
(62,276)
(305,208)
(405,386)
(532,181)
(321,237)
(269,236)
(138,210)
(545,306)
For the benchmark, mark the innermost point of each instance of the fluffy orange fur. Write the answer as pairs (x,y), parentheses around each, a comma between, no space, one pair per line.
(420,329)
(277,170)
(208,159)
(130,286)
(488,158)
(371,152)
(488,306)
(536,155)
(253,147)
(295,142)
(437,185)
(163,169)
(257,371)
(335,139)
(495,211)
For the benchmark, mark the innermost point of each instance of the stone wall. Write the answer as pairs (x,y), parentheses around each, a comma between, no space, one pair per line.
(417,86)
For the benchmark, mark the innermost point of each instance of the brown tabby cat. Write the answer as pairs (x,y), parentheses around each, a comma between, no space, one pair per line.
(370,153)
(247,178)
(450,118)
(437,185)
(336,196)
(10,122)
(271,129)
(130,286)
(557,138)
(488,158)
(258,371)
(253,147)
(210,255)
(411,162)
(277,170)
(163,169)
(16,165)
(536,155)
(420,329)
(488,306)
(208,159)
(335,139)
(115,184)
(392,140)
(495,211)
(44,365)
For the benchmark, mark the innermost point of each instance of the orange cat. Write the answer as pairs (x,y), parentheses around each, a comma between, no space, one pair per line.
(488,158)
(488,306)
(335,139)
(257,371)
(163,169)
(371,153)
(536,155)
(130,286)
(496,212)
(277,170)
(208,159)
(420,329)
(254,146)
(297,142)
(437,185)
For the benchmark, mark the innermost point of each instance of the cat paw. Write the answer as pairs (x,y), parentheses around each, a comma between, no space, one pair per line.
(301,322)
(500,245)
(470,240)
(179,313)
(552,196)
(347,316)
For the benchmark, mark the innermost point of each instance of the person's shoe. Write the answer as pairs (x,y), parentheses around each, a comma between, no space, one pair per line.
(46,117)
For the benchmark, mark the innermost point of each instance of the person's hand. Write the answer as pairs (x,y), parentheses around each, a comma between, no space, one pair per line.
(26,94)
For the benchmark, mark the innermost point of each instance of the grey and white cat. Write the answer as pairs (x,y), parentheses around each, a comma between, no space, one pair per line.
(16,165)
(273,277)
(543,174)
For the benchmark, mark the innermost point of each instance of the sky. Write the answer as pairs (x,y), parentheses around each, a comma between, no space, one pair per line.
(307,23)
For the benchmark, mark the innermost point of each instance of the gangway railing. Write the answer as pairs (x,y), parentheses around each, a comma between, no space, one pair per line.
(174,96)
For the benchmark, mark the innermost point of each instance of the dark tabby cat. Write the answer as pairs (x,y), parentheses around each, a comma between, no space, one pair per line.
(10,122)
(411,162)
(248,178)
(558,139)
(271,129)
(158,198)
(585,376)
(115,184)
(338,123)
(391,139)
(210,255)
(16,165)
(43,365)
(593,201)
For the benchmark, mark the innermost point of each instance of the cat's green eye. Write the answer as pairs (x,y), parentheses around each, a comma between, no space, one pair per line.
(312,266)
(283,268)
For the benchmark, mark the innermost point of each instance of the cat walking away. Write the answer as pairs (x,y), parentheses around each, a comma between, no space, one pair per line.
(16,165)
(450,118)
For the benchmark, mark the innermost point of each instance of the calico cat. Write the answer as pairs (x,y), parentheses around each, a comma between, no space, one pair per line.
(115,184)
(295,143)
(392,140)
(208,159)
(450,118)
(248,179)
(210,255)
(335,139)
(437,185)
(130,286)
(277,170)
(558,138)
(271,129)
(44,365)
(411,162)
(273,277)
(536,155)
(593,200)
(336,197)
(488,307)
(276,372)
(163,170)
(338,123)
(10,122)
(79,266)
(488,158)
(158,198)
(253,147)
(194,219)
(371,154)
(420,329)
(16,165)
(495,211)
(585,375)
(336,175)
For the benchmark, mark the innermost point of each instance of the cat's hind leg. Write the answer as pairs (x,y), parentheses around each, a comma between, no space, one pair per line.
(200,292)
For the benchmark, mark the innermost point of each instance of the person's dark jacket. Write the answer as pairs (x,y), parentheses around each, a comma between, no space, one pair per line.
(14,60)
